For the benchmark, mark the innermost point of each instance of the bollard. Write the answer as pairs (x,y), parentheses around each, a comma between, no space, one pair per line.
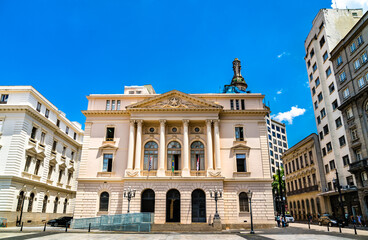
(340,227)
(21,227)
(328,227)
(355,229)
(44,228)
(89,227)
(66,227)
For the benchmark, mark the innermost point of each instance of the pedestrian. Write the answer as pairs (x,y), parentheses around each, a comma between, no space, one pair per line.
(283,221)
(360,220)
(310,218)
(278,220)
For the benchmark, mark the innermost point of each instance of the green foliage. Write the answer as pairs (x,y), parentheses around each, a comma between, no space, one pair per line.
(276,183)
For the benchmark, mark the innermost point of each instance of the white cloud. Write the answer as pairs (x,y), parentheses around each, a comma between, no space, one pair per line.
(279,91)
(289,115)
(306,84)
(283,54)
(350,4)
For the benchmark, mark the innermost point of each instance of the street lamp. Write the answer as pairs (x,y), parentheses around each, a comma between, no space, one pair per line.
(250,194)
(336,184)
(129,193)
(19,222)
(216,194)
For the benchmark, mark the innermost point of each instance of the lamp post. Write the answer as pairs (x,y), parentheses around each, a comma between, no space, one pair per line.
(337,185)
(216,194)
(21,209)
(129,193)
(250,194)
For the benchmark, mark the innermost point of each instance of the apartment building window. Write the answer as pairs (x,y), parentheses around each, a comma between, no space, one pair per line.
(320,97)
(311,77)
(361,82)
(118,105)
(342,141)
(327,169)
(273,134)
(242,104)
(107,104)
(319,120)
(64,151)
(339,61)
(38,108)
(4,98)
(360,40)
(70,175)
(271,153)
(231,104)
(240,163)
(43,136)
(346,93)
(67,130)
(338,122)
(328,72)
(334,105)
(321,135)
(350,181)
(107,163)
(349,113)
(310,157)
(322,42)
(314,67)
(317,82)
(312,53)
(37,166)
(325,56)
(283,130)
(285,145)
(331,88)
(357,64)
(51,168)
(354,134)
(358,154)
(72,156)
(239,135)
(273,126)
(278,135)
(75,136)
(110,131)
(321,26)
(283,137)
(313,91)
(33,132)
(276,157)
(61,173)
(47,113)
(112,104)
(58,123)
(237,104)
(323,113)
(364,57)
(273,169)
(324,151)
(28,163)
(352,47)
(308,63)
(345,160)
(332,164)
(54,144)
(329,147)
(342,76)
(325,129)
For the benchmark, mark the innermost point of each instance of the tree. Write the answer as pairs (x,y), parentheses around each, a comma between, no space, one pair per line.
(277,178)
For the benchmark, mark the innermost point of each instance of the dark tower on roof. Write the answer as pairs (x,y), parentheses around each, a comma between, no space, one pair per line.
(238,84)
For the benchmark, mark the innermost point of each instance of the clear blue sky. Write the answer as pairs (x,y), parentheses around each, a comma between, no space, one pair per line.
(70,49)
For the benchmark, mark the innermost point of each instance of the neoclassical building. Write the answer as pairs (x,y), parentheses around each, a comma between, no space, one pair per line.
(173,148)
(39,157)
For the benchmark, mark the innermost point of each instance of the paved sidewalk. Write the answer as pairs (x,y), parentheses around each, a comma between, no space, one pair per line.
(360,232)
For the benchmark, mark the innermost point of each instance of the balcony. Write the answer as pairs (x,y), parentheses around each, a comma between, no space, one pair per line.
(198,173)
(173,174)
(147,173)
(358,166)
(303,190)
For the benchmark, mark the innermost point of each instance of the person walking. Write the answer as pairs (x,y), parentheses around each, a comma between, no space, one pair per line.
(278,220)
(360,220)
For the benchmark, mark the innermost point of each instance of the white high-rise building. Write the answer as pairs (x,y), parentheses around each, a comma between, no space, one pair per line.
(329,27)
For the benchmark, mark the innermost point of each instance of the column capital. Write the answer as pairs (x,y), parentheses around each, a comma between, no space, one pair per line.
(140,121)
(208,121)
(216,121)
(162,121)
(132,121)
(186,121)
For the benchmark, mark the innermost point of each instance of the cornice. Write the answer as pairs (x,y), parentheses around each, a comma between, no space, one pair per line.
(104,112)
(179,179)
(174,110)
(247,112)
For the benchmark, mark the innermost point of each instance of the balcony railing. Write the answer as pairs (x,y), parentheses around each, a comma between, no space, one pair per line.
(303,190)
(197,173)
(171,173)
(359,165)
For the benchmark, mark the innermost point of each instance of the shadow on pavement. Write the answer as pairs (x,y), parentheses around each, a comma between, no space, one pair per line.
(30,236)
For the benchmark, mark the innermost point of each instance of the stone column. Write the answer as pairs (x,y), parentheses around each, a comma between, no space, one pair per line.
(161,156)
(131,145)
(209,145)
(185,172)
(217,145)
(138,146)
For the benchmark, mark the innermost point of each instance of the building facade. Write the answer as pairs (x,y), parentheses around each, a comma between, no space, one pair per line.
(329,27)
(349,59)
(172,149)
(40,152)
(305,179)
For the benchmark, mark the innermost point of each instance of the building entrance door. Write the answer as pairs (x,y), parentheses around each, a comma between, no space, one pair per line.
(173,206)
(198,206)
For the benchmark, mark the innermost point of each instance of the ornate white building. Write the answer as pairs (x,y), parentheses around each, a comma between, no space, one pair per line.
(39,156)
(173,148)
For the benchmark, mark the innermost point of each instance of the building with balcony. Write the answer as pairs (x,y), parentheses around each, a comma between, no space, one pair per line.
(39,152)
(305,179)
(349,59)
(172,149)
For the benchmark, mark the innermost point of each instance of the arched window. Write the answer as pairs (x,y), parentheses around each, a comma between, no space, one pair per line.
(44,204)
(197,156)
(20,201)
(243,202)
(173,156)
(104,202)
(313,207)
(318,206)
(307,203)
(294,205)
(56,202)
(150,156)
(30,202)
(65,205)
(148,201)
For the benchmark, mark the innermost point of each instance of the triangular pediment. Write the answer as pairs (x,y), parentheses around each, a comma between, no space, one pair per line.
(174,100)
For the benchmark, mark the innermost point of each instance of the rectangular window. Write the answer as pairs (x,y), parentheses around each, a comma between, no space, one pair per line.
(328,72)
(325,129)
(118,105)
(61,173)
(317,82)
(112,104)
(51,168)
(310,157)
(320,97)
(350,181)
(322,42)
(75,136)
(43,135)
(54,144)
(107,104)
(242,104)
(357,64)
(64,151)
(327,168)
(67,130)
(293,165)
(339,61)
(345,160)
(334,105)
(329,147)
(297,164)
(313,91)
(70,174)
(321,135)
(33,133)
(301,162)
(325,56)
(231,104)
(38,108)
(332,164)
(314,67)
(358,154)
(271,153)
(364,57)
(360,40)
(324,151)
(323,113)
(354,134)
(306,159)
(349,113)
(72,156)
(352,47)
(58,123)
(28,163)
(107,163)
(4,98)
(312,53)
(240,163)
(239,135)
(310,77)
(110,131)
(37,167)
(282,130)
(47,113)
(346,93)
(319,120)
(342,76)
(342,141)
(308,63)
(237,104)
(338,122)
(331,88)
(361,82)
